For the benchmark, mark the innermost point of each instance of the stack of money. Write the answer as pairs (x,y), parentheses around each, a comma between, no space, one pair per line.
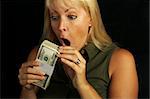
(47,56)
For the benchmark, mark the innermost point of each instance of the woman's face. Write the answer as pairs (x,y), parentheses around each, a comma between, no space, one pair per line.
(69,23)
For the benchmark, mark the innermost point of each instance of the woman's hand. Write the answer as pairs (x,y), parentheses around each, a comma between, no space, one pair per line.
(75,65)
(29,73)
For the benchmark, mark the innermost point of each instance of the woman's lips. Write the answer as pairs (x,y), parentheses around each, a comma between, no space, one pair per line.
(64,42)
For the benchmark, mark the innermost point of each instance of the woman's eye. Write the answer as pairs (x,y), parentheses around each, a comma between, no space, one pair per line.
(72,17)
(54,18)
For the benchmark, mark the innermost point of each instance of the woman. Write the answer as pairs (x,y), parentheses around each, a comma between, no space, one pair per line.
(91,66)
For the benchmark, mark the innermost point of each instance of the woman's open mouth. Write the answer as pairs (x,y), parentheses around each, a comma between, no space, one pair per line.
(65,42)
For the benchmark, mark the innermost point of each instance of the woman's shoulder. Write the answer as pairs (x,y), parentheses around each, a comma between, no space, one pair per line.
(119,53)
(122,53)
(32,54)
(121,59)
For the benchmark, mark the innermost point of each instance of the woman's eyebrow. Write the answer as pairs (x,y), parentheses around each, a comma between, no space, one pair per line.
(54,11)
(69,9)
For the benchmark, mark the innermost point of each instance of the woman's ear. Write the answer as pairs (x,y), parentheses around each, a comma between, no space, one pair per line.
(89,28)
(90,25)
(90,22)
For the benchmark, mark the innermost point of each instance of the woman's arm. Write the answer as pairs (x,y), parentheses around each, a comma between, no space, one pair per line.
(124,80)
(29,91)
(123,75)
(122,71)
(87,91)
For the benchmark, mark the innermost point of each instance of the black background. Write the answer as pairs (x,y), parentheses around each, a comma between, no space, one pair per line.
(126,21)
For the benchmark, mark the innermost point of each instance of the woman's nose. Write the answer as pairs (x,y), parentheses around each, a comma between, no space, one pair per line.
(62,26)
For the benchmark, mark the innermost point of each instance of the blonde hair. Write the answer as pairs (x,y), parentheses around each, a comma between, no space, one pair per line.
(98,34)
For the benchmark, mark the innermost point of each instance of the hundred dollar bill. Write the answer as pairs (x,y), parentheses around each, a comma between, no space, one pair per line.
(47,56)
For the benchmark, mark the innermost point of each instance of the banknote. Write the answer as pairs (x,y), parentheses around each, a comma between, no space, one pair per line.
(47,56)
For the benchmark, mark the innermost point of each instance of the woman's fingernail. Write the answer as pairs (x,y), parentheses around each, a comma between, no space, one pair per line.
(42,73)
(37,63)
(60,47)
(43,77)
(60,50)
(58,55)
(36,81)
(62,59)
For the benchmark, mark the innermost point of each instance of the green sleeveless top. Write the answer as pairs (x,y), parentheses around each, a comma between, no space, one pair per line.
(96,74)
